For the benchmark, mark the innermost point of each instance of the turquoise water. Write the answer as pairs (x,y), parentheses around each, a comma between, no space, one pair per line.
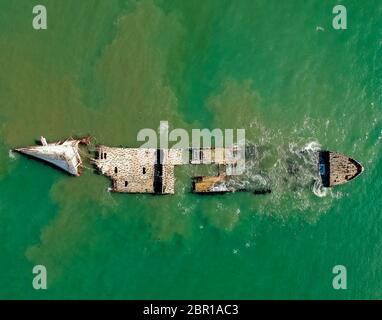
(111,68)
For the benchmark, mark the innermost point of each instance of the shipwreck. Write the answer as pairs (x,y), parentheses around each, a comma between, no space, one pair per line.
(151,170)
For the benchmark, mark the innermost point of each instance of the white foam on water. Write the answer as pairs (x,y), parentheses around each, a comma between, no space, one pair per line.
(319,190)
(312,146)
(11,154)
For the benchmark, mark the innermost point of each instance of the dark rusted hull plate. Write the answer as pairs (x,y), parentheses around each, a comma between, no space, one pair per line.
(336,168)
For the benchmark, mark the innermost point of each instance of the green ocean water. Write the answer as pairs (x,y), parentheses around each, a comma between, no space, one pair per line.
(111,68)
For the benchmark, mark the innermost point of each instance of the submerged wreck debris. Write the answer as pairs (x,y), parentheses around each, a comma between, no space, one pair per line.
(64,155)
(151,170)
(211,184)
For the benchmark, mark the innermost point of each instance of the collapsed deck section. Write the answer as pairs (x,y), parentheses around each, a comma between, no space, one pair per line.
(336,168)
(139,170)
(224,156)
(150,170)
(227,161)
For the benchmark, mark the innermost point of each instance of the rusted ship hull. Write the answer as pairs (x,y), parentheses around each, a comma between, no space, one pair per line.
(336,168)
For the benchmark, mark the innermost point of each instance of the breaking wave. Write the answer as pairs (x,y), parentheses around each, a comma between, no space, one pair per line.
(292,168)
(319,190)
(284,168)
(11,154)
